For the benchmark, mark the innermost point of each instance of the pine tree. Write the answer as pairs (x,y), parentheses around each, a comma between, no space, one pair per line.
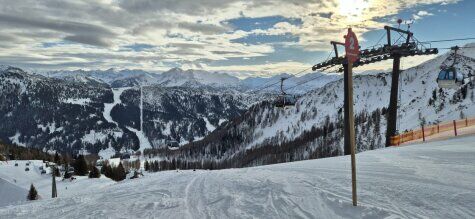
(67,174)
(94,173)
(57,159)
(32,194)
(81,167)
(119,173)
(108,172)
(146,166)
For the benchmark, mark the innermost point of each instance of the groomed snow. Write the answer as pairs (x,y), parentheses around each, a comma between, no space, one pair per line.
(108,106)
(15,183)
(433,180)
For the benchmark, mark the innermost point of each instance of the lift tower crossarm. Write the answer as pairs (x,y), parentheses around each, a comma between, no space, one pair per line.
(334,43)
(388,30)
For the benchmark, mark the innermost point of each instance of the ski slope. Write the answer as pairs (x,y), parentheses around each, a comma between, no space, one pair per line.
(15,182)
(433,180)
(143,140)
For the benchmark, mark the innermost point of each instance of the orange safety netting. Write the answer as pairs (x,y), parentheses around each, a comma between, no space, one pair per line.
(426,131)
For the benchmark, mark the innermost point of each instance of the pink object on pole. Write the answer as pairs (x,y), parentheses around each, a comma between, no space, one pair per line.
(352,47)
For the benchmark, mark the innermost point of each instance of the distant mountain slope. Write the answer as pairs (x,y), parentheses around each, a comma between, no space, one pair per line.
(77,113)
(177,77)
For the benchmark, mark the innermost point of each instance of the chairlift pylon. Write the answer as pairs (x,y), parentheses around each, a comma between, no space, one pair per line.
(284,99)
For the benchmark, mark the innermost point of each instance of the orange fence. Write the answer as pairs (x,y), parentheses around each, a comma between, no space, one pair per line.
(426,131)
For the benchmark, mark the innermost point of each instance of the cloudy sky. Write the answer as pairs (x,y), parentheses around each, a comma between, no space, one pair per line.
(242,37)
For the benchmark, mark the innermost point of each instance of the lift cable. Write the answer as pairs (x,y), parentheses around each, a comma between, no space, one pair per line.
(449,40)
(382,36)
(306,81)
(460,47)
(291,76)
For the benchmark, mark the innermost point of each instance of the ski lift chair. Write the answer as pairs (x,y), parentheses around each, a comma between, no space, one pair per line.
(449,78)
(284,99)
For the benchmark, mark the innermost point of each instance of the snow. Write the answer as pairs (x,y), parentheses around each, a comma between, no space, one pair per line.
(143,140)
(78,101)
(107,153)
(16,139)
(114,162)
(15,182)
(50,126)
(433,180)
(371,92)
(93,137)
(11,193)
(109,106)
(210,127)
(221,121)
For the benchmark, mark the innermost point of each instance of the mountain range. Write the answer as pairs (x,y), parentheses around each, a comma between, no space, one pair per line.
(216,116)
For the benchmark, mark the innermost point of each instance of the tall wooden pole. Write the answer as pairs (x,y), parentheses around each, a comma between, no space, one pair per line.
(351,127)
(54,192)
(346,114)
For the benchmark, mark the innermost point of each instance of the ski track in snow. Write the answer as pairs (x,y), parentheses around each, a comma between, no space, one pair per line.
(143,140)
(109,106)
(433,180)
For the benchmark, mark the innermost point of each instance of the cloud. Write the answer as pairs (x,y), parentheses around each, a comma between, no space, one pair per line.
(421,14)
(155,35)
(81,32)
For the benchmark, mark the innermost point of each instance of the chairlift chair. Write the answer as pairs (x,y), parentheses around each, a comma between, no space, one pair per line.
(448,77)
(284,99)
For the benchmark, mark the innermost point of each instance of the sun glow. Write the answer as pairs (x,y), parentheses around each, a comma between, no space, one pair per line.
(353,10)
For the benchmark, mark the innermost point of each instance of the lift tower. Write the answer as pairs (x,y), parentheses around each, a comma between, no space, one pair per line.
(390,50)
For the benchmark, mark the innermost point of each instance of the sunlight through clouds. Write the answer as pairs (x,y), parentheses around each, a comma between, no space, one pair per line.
(89,34)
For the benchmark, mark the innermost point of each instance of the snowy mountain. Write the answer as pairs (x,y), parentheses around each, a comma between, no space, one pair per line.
(314,80)
(107,76)
(177,77)
(80,113)
(314,127)
(233,127)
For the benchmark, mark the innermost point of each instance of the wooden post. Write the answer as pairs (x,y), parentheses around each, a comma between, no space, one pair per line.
(455,127)
(54,193)
(351,124)
(466,122)
(423,134)
(346,114)
(438,130)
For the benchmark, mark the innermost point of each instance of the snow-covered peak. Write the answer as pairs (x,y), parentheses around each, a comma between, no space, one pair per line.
(179,77)
(107,76)
(3,67)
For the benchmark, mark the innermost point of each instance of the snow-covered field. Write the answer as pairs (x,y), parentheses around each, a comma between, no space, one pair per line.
(433,180)
(15,182)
